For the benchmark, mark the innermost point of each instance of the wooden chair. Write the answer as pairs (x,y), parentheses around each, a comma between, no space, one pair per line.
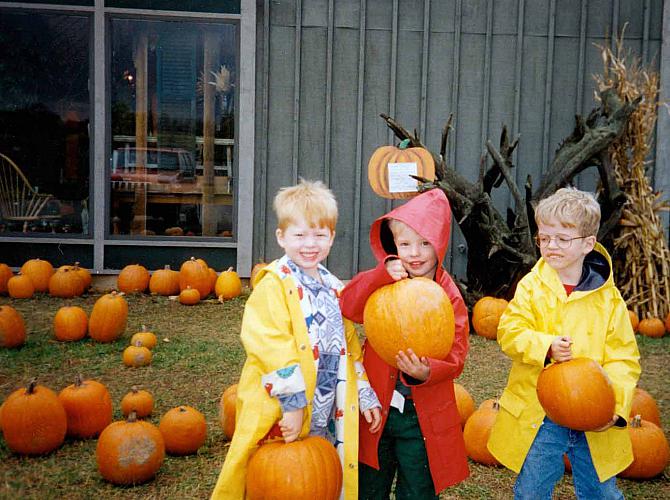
(19,201)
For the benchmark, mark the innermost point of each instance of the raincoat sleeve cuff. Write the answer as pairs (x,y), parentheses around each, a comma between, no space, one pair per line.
(291,402)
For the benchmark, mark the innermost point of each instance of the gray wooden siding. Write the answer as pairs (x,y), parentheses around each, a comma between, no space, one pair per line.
(327,68)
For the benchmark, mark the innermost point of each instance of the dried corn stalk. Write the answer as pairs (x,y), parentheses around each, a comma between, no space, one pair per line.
(641,256)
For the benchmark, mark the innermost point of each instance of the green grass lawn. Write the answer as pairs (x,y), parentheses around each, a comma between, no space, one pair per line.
(198,355)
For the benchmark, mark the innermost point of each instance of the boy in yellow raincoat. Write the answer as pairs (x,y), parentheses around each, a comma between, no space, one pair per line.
(567,306)
(304,373)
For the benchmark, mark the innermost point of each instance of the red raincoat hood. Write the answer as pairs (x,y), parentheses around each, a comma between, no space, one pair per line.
(429,214)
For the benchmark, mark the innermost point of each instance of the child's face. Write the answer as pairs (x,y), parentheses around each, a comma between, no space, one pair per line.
(416,253)
(306,246)
(568,261)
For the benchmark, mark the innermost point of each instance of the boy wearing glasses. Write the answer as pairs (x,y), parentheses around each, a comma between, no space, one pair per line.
(566,307)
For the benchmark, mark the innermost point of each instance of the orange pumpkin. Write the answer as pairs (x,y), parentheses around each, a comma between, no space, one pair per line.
(576,394)
(33,420)
(645,406)
(228,285)
(108,318)
(488,403)
(476,434)
(133,278)
(254,273)
(378,167)
(5,274)
(650,450)
(213,276)
(195,274)
(136,355)
(84,274)
(130,452)
(634,320)
(20,287)
(70,323)
(301,470)
(189,296)
(227,411)
(39,271)
(2,405)
(66,283)
(88,407)
(139,401)
(184,430)
(464,403)
(410,313)
(164,282)
(486,315)
(12,327)
(649,327)
(144,338)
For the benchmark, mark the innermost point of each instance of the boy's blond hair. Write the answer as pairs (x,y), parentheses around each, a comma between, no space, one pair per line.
(310,199)
(571,208)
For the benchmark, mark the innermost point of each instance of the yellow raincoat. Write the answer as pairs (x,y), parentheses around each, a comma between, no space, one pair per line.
(274,335)
(598,323)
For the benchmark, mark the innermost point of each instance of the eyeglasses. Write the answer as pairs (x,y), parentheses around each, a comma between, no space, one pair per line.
(542,241)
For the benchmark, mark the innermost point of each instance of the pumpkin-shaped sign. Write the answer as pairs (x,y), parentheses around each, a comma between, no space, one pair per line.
(390,167)
(410,313)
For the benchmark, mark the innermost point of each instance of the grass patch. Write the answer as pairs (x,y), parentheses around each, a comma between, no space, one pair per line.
(197,356)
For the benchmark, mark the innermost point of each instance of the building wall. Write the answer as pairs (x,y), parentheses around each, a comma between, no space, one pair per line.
(326,69)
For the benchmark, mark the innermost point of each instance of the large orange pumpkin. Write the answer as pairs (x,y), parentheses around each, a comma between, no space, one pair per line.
(576,394)
(184,430)
(651,327)
(12,327)
(33,420)
(130,452)
(88,406)
(108,318)
(5,274)
(464,403)
(645,406)
(70,323)
(164,282)
(66,283)
(378,167)
(228,285)
(301,470)
(634,320)
(139,401)
(410,313)
(133,278)
(476,434)
(195,273)
(650,450)
(227,411)
(39,271)
(486,316)
(20,287)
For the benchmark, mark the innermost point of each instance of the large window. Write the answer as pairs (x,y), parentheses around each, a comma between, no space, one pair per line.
(44,123)
(173,88)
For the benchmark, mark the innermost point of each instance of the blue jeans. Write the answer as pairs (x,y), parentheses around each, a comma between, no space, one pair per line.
(544,466)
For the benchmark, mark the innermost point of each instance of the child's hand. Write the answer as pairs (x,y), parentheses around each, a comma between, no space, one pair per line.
(374,418)
(290,425)
(560,349)
(609,424)
(412,365)
(395,268)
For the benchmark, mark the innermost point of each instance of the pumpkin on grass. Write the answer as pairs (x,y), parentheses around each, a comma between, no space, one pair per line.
(5,274)
(144,338)
(476,434)
(66,283)
(34,421)
(88,406)
(301,470)
(70,323)
(227,406)
(130,452)
(139,401)
(189,296)
(410,313)
(195,274)
(20,287)
(164,282)
(136,355)
(12,327)
(651,327)
(184,430)
(645,406)
(108,318)
(650,450)
(133,278)
(39,271)
(576,394)
(486,315)
(228,285)
(464,402)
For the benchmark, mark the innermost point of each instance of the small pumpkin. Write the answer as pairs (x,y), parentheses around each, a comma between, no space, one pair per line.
(164,282)
(39,271)
(650,450)
(227,411)
(66,283)
(5,274)
(184,430)
(130,452)
(576,394)
(634,320)
(189,296)
(34,421)
(301,470)
(378,167)
(651,327)
(136,355)
(133,278)
(213,276)
(20,287)
(139,401)
(88,407)
(476,434)
(410,313)
(108,318)
(70,323)
(254,273)
(486,315)
(12,327)
(144,338)
(464,403)
(195,274)
(228,285)
(645,406)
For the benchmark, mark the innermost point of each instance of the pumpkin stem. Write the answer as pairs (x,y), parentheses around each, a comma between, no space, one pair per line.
(229,269)
(78,380)
(132,417)
(496,405)
(32,383)
(144,328)
(404,144)
(637,421)
(135,389)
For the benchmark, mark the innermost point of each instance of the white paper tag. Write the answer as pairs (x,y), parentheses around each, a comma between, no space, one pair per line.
(399,177)
(398,401)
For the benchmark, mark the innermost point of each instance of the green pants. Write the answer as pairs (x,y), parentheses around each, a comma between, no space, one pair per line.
(401,449)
